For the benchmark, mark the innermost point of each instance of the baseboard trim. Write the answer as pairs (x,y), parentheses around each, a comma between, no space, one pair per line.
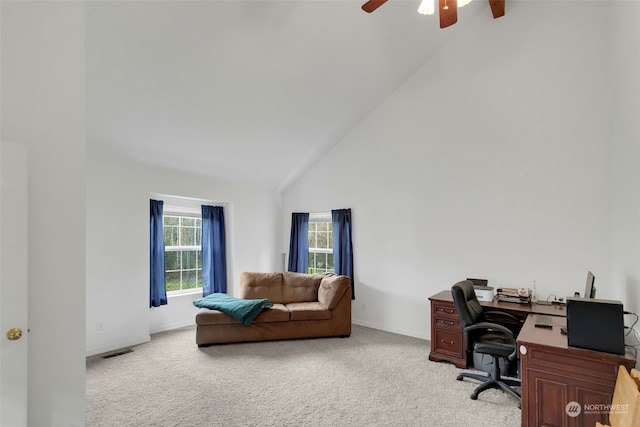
(106,348)
(385,328)
(172,326)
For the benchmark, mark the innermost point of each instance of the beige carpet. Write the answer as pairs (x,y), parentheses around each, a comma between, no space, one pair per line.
(373,378)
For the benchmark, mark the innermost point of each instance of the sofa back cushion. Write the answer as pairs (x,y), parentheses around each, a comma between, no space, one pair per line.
(331,290)
(300,287)
(261,285)
(288,287)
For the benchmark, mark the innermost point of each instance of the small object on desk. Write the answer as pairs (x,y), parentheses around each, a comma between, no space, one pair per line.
(484,293)
(543,302)
(515,295)
(543,321)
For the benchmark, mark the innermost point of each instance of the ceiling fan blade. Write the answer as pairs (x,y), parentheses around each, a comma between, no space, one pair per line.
(372,5)
(497,8)
(448,12)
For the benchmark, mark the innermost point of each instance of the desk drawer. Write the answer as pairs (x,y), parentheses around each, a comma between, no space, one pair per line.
(448,342)
(444,310)
(447,322)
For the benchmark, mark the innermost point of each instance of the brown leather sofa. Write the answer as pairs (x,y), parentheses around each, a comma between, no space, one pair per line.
(304,306)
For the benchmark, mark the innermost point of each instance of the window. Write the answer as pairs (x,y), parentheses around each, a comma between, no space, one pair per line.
(182,251)
(320,244)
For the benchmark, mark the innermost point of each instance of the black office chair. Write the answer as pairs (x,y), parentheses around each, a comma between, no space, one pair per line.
(485,337)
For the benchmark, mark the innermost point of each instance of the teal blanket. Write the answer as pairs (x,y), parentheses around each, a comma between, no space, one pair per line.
(243,310)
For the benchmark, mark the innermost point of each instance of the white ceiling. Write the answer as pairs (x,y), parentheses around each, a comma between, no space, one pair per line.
(253,91)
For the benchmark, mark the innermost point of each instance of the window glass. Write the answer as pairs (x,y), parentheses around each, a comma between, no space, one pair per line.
(320,244)
(183,253)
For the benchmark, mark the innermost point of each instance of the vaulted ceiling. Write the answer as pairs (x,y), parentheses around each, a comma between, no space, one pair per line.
(253,91)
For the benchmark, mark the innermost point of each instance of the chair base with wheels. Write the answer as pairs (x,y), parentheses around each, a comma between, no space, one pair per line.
(492,380)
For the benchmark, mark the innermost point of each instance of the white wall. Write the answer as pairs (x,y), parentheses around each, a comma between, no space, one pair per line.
(491,162)
(625,141)
(43,108)
(118,194)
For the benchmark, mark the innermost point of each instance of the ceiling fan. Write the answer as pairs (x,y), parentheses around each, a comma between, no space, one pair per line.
(448,9)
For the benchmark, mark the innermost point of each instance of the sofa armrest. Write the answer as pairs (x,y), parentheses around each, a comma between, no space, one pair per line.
(332,289)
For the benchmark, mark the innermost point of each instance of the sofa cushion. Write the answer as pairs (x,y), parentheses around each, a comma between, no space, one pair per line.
(260,286)
(213,317)
(300,287)
(308,311)
(328,295)
(243,310)
(277,313)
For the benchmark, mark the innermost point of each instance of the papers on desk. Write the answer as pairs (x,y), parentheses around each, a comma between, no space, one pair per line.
(515,295)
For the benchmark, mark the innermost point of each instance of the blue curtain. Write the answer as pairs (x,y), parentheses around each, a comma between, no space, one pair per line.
(214,255)
(342,247)
(299,243)
(157,290)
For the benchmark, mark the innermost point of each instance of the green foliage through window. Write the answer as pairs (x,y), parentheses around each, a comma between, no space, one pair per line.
(183,252)
(320,247)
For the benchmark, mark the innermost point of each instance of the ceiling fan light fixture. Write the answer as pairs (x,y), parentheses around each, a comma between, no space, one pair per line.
(427,7)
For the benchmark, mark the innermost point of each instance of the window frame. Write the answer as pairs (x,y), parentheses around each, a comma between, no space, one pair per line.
(185,213)
(319,218)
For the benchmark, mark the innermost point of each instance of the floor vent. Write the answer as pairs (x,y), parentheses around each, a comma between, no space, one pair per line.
(117,353)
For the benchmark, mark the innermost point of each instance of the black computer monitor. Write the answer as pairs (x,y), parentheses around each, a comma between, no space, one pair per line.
(590,289)
(595,324)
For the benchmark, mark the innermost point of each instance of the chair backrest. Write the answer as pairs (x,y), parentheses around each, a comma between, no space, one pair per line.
(467,304)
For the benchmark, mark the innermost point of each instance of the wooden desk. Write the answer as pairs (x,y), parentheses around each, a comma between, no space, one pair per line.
(447,340)
(554,375)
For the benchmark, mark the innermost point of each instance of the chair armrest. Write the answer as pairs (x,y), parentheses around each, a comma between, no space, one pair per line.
(487,326)
(490,327)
